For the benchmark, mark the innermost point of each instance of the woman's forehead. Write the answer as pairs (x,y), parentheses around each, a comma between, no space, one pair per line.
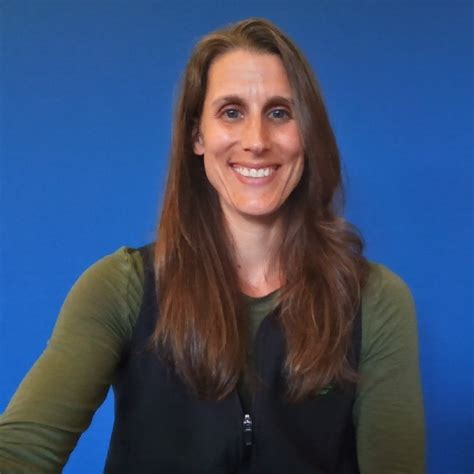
(249,74)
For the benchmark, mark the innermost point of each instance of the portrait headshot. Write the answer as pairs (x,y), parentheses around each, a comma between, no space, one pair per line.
(236,237)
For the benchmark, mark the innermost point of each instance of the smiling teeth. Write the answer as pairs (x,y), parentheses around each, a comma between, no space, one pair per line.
(253,173)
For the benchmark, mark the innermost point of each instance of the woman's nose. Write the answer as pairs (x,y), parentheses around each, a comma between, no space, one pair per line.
(255,135)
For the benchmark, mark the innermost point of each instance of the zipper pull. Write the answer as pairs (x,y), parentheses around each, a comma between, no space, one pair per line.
(247,427)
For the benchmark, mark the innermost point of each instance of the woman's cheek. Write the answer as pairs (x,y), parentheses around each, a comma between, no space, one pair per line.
(290,142)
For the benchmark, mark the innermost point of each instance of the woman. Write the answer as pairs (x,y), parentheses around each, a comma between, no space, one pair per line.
(253,336)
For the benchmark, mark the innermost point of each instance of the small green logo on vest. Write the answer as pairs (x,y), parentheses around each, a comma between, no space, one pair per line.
(325,390)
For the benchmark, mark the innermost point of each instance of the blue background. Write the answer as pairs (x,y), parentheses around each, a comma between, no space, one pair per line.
(87,90)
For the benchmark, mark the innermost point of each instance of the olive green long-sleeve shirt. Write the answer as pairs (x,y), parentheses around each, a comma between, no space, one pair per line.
(55,402)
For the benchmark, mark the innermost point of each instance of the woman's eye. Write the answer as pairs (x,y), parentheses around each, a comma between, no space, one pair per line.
(231,114)
(280,114)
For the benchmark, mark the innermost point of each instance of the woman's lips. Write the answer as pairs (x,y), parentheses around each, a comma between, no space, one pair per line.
(254,175)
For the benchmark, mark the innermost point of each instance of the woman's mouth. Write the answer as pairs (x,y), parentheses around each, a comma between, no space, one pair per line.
(254,172)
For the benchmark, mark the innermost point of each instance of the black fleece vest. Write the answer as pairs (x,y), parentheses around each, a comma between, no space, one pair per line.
(161,427)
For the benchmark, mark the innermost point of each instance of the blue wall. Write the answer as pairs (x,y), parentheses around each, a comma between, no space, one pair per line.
(86,99)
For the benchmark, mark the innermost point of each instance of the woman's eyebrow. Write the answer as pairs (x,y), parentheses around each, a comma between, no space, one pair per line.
(227,99)
(279,100)
(236,99)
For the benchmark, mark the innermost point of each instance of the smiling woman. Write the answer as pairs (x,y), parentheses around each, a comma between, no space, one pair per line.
(253,335)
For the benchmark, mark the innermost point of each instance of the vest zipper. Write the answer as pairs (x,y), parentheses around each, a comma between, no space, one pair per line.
(247,430)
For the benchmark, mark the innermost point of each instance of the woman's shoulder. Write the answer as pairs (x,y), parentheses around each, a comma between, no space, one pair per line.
(388,309)
(124,268)
(384,286)
(109,292)
(121,264)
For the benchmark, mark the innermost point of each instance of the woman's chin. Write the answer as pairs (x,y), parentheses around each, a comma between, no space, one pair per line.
(255,213)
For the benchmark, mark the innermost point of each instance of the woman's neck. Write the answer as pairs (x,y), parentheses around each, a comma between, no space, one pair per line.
(256,246)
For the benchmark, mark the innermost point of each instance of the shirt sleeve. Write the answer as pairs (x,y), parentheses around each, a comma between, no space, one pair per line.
(55,402)
(388,412)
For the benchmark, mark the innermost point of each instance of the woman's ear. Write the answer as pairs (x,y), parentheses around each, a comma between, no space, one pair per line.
(198,146)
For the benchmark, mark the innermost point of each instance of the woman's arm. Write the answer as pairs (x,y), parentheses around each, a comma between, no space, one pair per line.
(388,413)
(55,402)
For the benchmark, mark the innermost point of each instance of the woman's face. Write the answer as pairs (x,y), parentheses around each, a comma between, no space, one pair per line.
(248,135)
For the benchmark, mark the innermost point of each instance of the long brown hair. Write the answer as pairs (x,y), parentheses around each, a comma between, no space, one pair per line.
(201,311)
